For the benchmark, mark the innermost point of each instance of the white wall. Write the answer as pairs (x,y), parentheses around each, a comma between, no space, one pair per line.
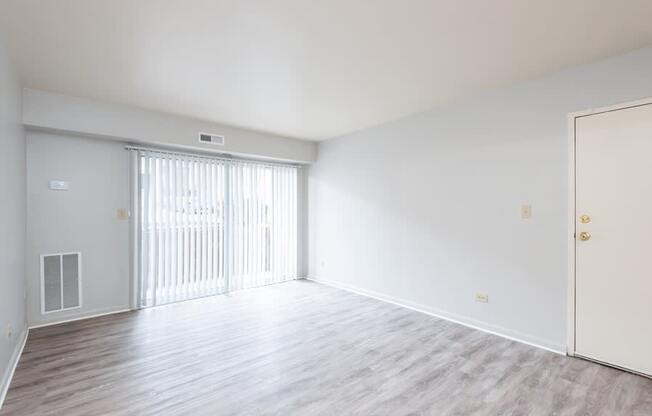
(44,110)
(425,210)
(83,219)
(12,220)
(82,141)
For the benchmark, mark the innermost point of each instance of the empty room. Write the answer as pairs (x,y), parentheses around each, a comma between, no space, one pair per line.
(325,208)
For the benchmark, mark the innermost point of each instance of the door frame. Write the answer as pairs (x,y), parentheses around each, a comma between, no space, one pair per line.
(571,241)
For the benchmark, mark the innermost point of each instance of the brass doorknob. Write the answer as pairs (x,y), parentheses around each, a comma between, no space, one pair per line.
(584,236)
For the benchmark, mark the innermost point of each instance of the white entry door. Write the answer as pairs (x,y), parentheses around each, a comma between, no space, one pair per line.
(613,306)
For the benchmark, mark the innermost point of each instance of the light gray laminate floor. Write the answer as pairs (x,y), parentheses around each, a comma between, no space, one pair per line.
(301,348)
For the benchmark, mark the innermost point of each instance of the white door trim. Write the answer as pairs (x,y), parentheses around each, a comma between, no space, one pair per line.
(570,342)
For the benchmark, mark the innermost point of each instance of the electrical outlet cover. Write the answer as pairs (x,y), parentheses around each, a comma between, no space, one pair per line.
(482,297)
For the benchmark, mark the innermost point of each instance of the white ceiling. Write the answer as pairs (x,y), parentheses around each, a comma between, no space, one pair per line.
(310,69)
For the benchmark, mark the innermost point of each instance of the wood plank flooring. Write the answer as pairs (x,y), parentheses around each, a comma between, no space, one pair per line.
(301,348)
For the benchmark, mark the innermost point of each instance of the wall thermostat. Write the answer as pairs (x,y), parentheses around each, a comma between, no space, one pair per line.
(59,185)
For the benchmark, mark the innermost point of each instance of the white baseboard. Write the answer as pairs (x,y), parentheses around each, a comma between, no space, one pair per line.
(13,363)
(79,318)
(458,319)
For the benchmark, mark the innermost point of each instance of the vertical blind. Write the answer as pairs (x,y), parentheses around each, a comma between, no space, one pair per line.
(207,226)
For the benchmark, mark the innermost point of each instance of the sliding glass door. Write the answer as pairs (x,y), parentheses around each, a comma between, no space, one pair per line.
(207,226)
(262,224)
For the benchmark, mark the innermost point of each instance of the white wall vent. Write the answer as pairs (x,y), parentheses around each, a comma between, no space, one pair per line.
(211,139)
(60,282)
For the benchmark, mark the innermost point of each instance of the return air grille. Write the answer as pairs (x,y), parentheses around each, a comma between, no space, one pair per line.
(60,282)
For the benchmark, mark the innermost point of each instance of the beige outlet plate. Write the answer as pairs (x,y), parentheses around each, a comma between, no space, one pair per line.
(482,297)
(122,214)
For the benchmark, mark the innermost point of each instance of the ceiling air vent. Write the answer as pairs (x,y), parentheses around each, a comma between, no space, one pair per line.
(211,139)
